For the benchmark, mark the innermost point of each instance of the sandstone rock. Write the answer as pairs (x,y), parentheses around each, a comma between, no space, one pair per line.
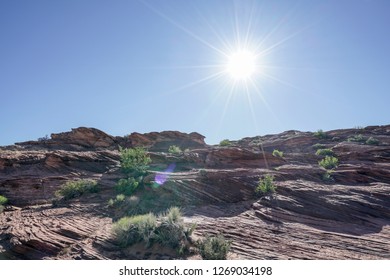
(156,141)
(308,217)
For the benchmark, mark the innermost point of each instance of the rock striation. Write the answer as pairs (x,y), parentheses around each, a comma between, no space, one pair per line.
(314,214)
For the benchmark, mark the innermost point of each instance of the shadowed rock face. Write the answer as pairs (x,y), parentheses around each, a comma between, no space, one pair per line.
(344,217)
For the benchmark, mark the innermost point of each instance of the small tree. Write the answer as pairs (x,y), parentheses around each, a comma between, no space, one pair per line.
(127,186)
(266,185)
(134,161)
(329,162)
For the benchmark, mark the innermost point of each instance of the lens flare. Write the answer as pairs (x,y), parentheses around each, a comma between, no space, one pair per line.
(162,177)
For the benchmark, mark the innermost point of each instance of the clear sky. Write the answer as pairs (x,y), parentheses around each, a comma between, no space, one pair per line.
(126,66)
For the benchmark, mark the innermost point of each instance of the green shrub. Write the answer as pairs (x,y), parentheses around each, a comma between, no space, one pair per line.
(3,200)
(131,230)
(319,146)
(214,247)
(72,189)
(171,231)
(173,215)
(329,162)
(266,185)
(324,152)
(174,150)
(127,186)
(168,230)
(372,141)
(134,161)
(1,208)
(320,134)
(277,153)
(357,138)
(119,199)
(224,142)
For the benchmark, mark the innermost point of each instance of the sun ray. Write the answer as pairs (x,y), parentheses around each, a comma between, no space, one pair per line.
(209,78)
(182,27)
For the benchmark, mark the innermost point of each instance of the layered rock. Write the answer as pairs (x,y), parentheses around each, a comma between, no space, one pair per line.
(343,217)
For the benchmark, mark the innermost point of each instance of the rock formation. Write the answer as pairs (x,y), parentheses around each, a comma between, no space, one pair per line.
(314,214)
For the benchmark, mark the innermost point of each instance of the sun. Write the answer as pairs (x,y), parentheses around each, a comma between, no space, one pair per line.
(241,65)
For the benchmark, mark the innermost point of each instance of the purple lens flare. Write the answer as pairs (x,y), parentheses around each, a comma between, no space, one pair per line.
(162,177)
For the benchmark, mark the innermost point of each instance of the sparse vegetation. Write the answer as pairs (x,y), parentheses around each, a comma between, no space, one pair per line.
(168,230)
(357,138)
(72,189)
(324,152)
(174,150)
(127,186)
(214,247)
(372,141)
(266,185)
(320,134)
(277,153)
(3,201)
(225,143)
(119,199)
(134,161)
(329,162)
(131,230)
(171,231)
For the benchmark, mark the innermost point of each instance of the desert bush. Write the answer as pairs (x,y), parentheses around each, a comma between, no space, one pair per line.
(320,134)
(329,162)
(357,138)
(171,231)
(134,161)
(119,199)
(319,146)
(224,142)
(3,200)
(168,230)
(131,230)
(174,150)
(214,247)
(266,185)
(173,215)
(324,152)
(372,141)
(72,189)
(277,153)
(127,186)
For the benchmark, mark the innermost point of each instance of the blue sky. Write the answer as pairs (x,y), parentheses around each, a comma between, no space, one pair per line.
(126,66)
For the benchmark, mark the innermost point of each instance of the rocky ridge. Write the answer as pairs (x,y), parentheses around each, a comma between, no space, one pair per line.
(346,217)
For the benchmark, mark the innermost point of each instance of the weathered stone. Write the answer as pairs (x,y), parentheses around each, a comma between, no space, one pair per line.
(345,216)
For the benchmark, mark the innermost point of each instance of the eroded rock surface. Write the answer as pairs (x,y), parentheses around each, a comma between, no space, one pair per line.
(346,216)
